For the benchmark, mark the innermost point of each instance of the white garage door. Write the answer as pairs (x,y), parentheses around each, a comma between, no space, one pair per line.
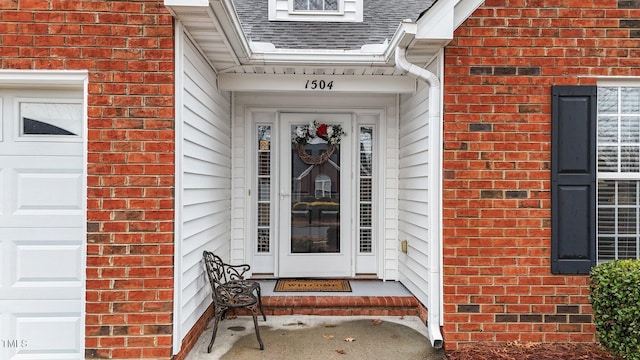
(42,224)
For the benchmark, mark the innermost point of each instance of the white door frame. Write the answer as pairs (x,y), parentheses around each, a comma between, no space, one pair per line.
(252,111)
(340,264)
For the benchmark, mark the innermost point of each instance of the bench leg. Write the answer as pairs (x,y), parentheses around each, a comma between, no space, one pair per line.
(254,312)
(218,315)
(264,317)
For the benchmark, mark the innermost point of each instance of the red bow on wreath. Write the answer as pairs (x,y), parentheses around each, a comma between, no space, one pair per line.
(332,134)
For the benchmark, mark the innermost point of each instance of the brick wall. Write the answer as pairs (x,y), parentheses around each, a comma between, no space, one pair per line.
(127,46)
(497,221)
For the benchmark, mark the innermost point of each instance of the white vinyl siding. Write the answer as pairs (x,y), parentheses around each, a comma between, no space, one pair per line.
(414,194)
(413,173)
(203,191)
(389,231)
(290,10)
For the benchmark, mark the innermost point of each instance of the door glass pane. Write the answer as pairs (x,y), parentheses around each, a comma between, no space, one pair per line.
(366,189)
(264,188)
(315,197)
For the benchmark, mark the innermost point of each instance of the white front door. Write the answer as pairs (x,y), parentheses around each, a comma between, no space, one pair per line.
(42,231)
(315,191)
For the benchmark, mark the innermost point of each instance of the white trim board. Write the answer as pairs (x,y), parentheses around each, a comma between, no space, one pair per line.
(374,106)
(305,83)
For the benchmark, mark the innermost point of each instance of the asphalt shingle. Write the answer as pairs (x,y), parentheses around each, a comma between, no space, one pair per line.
(381,19)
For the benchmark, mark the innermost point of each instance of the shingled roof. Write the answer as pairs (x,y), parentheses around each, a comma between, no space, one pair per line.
(381,19)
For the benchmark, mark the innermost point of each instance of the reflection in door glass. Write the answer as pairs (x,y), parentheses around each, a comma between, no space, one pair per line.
(315,197)
(264,188)
(365,198)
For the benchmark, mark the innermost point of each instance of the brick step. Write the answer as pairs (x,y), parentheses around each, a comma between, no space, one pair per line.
(341,305)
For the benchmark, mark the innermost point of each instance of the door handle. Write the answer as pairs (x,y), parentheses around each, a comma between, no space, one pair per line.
(283,195)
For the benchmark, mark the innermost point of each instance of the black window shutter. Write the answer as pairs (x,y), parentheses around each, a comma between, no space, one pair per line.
(573,179)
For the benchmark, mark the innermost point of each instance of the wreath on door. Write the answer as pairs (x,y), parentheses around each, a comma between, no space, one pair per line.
(316,132)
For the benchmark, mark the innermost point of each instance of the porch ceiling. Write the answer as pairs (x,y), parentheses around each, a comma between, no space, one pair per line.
(207,33)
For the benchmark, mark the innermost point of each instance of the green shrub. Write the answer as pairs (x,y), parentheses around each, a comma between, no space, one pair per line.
(615,297)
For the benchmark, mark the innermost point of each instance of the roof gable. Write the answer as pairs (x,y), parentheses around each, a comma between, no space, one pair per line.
(236,37)
(380,21)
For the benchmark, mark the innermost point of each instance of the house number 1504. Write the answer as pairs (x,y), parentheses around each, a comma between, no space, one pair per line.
(318,85)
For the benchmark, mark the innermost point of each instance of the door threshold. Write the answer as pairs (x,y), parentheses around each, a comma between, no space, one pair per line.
(359,287)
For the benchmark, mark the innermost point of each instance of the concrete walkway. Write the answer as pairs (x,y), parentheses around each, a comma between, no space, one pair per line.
(319,337)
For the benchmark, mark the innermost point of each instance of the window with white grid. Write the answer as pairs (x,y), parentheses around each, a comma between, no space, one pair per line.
(315,5)
(365,190)
(264,189)
(316,10)
(618,172)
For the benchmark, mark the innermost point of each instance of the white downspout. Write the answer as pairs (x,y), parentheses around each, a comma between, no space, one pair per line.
(434,272)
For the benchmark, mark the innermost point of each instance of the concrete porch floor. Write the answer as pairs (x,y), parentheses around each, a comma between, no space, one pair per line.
(319,337)
(382,317)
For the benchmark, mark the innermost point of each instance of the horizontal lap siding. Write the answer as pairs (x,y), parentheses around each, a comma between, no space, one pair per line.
(240,215)
(206,181)
(390,186)
(413,172)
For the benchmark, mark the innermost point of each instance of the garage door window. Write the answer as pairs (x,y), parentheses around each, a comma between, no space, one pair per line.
(50,118)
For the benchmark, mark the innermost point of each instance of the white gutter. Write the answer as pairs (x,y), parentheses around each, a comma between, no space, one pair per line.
(311,58)
(434,300)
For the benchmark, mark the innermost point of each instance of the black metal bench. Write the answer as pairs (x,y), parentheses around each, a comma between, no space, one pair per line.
(230,290)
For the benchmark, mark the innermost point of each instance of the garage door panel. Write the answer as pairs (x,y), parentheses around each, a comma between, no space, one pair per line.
(42,263)
(43,332)
(49,191)
(42,223)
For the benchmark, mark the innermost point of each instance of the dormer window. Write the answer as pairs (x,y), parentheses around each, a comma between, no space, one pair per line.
(315,5)
(316,10)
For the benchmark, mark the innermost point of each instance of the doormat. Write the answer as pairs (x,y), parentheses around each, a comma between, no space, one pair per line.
(308,285)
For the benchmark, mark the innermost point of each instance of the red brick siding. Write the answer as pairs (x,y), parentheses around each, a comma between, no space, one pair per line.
(497,223)
(341,305)
(127,47)
(191,339)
